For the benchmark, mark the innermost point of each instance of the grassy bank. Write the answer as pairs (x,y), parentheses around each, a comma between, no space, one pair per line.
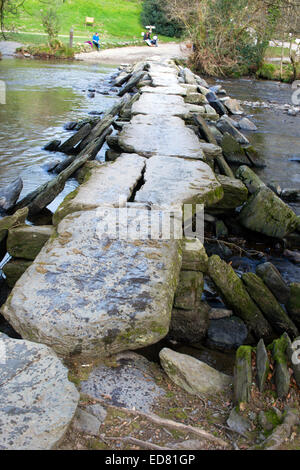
(117,21)
(272,72)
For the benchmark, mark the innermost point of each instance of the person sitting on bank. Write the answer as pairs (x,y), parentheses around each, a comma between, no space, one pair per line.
(96,40)
(147,38)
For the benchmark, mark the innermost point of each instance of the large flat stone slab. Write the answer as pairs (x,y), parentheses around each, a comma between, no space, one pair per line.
(157,135)
(37,401)
(176,181)
(160,105)
(107,184)
(166,78)
(92,293)
(165,90)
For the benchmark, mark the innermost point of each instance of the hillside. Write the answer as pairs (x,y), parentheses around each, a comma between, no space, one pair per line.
(114,20)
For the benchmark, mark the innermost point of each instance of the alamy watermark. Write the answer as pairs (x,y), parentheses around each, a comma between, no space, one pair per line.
(296,93)
(135,223)
(2,92)
(2,352)
(296,352)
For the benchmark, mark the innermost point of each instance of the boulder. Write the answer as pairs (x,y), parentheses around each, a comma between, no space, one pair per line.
(262,365)
(254,157)
(267,214)
(249,178)
(204,129)
(233,151)
(218,313)
(282,375)
(238,423)
(225,125)
(79,298)
(14,269)
(195,98)
(174,181)
(246,125)
(221,229)
(235,194)
(194,257)
(226,334)
(10,194)
(189,326)
(293,305)
(195,377)
(18,218)
(237,298)
(128,379)
(37,401)
(268,304)
(243,375)
(189,290)
(274,281)
(233,106)
(189,77)
(54,144)
(86,423)
(26,241)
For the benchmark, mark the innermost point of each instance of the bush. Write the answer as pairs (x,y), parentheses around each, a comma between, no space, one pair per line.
(153,13)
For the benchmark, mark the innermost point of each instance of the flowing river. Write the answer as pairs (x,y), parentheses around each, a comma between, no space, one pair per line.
(41,97)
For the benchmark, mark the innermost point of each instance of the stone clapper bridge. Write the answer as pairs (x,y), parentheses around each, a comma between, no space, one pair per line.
(93,295)
(98,295)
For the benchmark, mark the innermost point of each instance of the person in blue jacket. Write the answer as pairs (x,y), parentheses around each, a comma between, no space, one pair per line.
(96,40)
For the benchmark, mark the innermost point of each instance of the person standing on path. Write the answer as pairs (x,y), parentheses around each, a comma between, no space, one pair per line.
(96,40)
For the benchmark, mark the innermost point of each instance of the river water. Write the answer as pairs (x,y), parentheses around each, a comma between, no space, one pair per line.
(41,97)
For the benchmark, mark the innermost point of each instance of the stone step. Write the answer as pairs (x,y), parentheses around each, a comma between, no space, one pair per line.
(92,293)
(176,181)
(160,105)
(158,135)
(106,184)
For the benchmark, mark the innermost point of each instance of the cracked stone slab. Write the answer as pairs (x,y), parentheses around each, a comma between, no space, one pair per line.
(160,104)
(130,383)
(37,401)
(93,293)
(107,184)
(176,181)
(157,135)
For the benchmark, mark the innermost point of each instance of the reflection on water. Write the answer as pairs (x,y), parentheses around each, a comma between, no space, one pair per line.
(41,97)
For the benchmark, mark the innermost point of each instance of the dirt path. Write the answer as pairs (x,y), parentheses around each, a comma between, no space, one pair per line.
(133,54)
(9,47)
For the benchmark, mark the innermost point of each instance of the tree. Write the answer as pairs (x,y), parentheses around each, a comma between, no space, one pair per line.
(154,13)
(51,23)
(8,9)
(229,36)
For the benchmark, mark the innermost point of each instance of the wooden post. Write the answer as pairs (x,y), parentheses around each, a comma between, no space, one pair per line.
(71,37)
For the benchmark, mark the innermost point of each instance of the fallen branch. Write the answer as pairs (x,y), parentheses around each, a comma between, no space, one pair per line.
(234,247)
(165,422)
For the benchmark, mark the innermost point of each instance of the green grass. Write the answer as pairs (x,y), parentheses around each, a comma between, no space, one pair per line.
(115,20)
